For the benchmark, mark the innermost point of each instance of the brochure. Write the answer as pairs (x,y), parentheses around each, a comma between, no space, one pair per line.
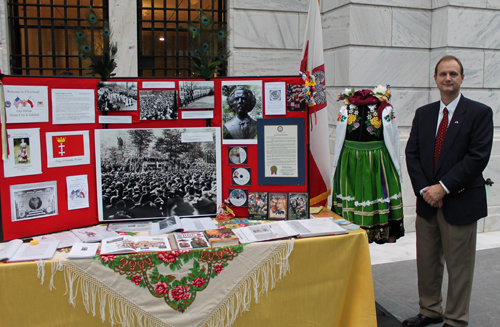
(174,223)
(316,227)
(83,251)
(131,244)
(265,232)
(41,251)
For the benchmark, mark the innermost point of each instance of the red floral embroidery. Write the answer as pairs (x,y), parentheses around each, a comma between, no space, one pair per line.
(218,269)
(199,282)
(108,258)
(136,280)
(181,293)
(168,256)
(161,288)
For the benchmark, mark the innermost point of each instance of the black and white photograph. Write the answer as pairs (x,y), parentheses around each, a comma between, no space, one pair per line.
(158,105)
(35,200)
(298,206)
(156,173)
(241,107)
(196,94)
(117,96)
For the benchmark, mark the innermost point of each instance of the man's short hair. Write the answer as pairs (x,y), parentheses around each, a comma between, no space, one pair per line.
(449,57)
(248,95)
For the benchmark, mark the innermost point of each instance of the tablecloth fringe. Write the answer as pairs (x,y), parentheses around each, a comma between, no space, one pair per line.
(124,312)
(121,310)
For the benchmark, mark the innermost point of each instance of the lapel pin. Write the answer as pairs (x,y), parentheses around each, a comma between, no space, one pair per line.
(456,121)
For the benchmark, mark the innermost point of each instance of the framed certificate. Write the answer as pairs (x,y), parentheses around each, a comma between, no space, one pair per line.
(281,149)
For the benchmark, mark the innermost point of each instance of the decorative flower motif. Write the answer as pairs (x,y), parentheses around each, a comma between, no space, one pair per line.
(370,129)
(344,96)
(168,256)
(356,125)
(181,293)
(338,118)
(376,122)
(162,288)
(351,119)
(136,279)
(108,258)
(218,269)
(199,282)
(382,93)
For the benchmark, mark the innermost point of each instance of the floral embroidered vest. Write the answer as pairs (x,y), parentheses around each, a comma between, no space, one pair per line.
(363,125)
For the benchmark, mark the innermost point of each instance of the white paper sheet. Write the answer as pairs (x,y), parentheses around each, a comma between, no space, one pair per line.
(275,98)
(73,106)
(77,188)
(68,148)
(26,104)
(24,153)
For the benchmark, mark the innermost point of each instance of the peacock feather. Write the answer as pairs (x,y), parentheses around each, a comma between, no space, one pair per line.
(208,48)
(93,39)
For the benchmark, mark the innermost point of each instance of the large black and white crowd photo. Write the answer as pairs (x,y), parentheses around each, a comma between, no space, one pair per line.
(158,105)
(150,173)
(196,94)
(117,96)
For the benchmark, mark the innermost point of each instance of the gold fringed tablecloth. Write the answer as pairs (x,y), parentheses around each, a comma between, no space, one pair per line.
(329,284)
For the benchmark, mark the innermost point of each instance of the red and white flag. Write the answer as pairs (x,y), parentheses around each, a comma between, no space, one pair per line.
(68,146)
(313,61)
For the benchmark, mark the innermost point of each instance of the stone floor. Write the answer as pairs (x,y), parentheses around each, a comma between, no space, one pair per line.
(395,279)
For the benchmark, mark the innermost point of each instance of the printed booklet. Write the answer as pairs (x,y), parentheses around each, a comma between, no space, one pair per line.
(16,250)
(190,241)
(221,237)
(130,244)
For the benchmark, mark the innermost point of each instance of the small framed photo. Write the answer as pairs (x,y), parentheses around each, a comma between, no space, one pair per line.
(257,205)
(278,206)
(298,206)
(241,176)
(238,197)
(237,155)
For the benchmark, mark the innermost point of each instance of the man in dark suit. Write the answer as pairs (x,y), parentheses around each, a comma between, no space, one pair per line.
(448,149)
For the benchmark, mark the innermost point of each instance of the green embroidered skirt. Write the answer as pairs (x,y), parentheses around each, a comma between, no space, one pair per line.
(367,190)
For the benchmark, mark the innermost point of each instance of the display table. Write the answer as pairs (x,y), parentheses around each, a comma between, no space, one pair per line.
(329,284)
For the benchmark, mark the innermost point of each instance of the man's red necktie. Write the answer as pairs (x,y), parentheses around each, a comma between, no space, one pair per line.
(443,127)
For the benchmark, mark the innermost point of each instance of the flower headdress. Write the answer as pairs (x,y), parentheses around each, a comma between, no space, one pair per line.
(379,95)
(344,96)
(382,93)
(308,89)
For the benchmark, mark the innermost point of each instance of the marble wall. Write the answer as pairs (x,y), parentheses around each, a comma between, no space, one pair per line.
(371,42)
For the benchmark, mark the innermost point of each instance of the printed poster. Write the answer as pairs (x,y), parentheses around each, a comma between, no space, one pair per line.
(26,104)
(24,153)
(68,148)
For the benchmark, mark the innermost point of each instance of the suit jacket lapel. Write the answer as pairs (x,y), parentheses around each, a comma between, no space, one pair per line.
(455,124)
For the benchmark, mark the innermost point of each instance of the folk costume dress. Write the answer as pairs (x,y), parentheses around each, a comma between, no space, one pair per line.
(367,168)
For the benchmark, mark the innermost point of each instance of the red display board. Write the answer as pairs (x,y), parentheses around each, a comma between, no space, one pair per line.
(68,219)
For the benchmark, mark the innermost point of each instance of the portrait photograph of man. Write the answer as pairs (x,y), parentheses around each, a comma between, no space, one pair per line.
(241,107)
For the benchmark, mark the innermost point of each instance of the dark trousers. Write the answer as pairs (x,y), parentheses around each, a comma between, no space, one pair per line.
(438,243)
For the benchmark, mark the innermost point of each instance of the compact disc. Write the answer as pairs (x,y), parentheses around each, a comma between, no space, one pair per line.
(237,197)
(241,176)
